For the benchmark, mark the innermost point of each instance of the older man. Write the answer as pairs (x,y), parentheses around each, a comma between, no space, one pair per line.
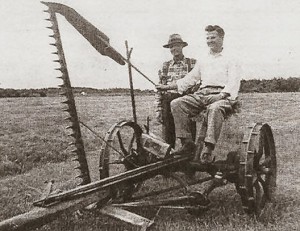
(220,82)
(171,71)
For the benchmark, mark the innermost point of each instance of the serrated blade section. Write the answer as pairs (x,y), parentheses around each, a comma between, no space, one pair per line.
(93,35)
(69,102)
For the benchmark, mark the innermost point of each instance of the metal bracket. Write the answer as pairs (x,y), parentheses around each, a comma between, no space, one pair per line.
(48,189)
(127,216)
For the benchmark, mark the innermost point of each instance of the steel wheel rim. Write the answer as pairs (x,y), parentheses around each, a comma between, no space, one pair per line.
(258,169)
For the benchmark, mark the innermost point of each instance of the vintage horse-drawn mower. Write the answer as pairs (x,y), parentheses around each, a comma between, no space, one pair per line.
(131,154)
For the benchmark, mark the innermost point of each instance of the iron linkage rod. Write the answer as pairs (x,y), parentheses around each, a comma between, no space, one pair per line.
(128,52)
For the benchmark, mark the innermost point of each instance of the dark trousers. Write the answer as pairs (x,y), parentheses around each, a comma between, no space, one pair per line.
(168,126)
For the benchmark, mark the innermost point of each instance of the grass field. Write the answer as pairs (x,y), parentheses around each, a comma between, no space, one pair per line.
(34,148)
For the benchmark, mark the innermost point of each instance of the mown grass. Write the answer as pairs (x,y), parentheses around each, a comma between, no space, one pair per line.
(34,145)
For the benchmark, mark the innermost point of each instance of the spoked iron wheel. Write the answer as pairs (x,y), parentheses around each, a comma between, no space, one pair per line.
(121,152)
(258,169)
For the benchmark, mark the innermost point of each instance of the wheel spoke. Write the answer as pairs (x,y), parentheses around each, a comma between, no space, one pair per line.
(117,162)
(262,170)
(121,144)
(262,181)
(259,196)
(267,161)
(131,143)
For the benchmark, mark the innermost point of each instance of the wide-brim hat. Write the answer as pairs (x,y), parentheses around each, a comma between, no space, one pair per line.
(175,38)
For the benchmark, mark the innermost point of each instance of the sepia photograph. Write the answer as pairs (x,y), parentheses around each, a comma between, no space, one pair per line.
(150,115)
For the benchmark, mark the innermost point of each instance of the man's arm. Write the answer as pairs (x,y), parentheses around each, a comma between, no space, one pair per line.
(234,80)
(190,80)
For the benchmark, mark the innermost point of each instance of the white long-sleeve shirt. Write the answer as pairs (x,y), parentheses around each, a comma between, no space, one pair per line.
(214,70)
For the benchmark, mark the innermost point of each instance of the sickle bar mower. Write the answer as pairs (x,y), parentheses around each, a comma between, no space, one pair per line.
(140,156)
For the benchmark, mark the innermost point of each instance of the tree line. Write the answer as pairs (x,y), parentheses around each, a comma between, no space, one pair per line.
(77,91)
(291,84)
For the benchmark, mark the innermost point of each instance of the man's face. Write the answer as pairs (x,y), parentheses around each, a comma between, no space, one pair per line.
(214,41)
(176,49)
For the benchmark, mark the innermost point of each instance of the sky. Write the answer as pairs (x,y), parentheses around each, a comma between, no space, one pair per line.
(263,33)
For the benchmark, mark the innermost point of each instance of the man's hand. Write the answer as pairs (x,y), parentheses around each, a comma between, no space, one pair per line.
(163,87)
(217,97)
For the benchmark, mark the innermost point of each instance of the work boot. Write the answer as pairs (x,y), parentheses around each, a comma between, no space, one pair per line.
(206,155)
(187,149)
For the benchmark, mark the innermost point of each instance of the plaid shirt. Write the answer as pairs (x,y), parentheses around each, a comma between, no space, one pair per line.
(171,71)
